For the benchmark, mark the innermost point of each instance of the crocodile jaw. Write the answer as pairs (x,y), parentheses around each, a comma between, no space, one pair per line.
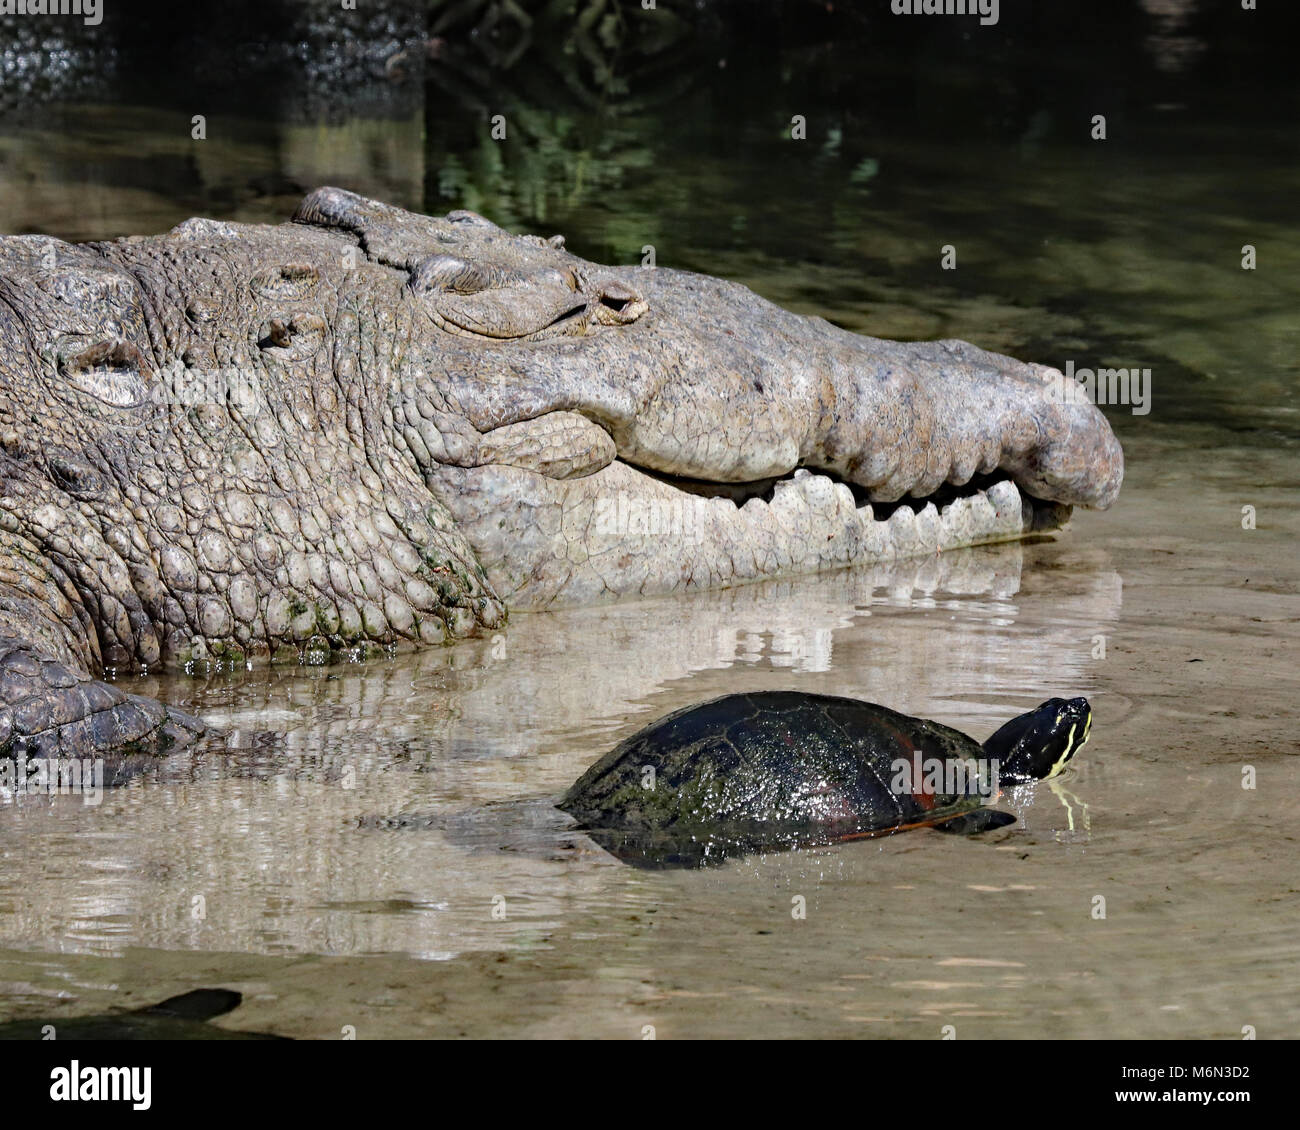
(549,543)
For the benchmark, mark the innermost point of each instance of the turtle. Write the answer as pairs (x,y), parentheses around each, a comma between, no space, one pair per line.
(766,770)
(182,1017)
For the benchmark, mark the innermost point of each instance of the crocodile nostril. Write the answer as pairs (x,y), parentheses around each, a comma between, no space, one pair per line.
(619,304)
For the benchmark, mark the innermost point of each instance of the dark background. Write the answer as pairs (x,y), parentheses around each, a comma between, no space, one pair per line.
(672,128)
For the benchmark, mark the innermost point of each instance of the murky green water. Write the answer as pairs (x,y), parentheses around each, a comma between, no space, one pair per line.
(371,846)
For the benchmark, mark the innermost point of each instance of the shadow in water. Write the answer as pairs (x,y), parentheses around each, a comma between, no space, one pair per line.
(182,1017)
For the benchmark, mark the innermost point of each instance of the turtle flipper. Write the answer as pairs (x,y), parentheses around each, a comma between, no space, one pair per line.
(972,823)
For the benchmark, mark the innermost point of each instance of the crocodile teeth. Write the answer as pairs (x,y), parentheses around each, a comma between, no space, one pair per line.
(619,531)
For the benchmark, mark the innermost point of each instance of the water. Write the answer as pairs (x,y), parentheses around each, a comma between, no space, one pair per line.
(371,845)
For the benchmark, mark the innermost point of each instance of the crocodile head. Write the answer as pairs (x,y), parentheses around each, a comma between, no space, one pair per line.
(598,430)
(372,425)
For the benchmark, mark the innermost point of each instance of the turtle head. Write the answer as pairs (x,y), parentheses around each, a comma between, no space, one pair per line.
(1040,744)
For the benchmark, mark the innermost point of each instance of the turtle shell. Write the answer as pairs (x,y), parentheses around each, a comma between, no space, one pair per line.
(773,768)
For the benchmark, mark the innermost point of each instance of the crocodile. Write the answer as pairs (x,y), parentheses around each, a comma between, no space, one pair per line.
(367,427)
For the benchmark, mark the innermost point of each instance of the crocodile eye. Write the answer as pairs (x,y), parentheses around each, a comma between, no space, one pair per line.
(448,273)
(567,278)
(288,281)
(112,371)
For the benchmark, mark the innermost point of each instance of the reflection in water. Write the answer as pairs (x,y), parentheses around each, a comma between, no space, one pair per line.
(1171,44)
(268,838)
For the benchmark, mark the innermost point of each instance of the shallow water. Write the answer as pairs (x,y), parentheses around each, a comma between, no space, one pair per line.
(392,882)
(373,846)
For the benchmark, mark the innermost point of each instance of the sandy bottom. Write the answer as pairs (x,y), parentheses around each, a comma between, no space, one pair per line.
(332,857)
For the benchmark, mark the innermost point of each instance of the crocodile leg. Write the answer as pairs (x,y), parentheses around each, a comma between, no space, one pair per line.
(50,706)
